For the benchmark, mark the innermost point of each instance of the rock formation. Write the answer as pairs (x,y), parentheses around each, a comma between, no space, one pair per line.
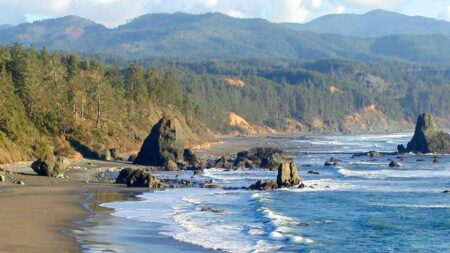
(287,175)
(50,166)
(190,158)
(160,146)
(262,185)
(268,158)
(138,178)
(427,138)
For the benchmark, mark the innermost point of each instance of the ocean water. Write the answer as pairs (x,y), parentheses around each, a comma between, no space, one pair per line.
(361,205)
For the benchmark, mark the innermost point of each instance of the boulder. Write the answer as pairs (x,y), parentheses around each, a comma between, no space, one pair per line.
(131,158)
(160,146)
(267,158)
(190,158)
(367,154)
(427,137)
(209,209)
(394,164)
(171,166)
(262,185)
(123,176)
(139,178)
(287,175)
(332,162)
(114,153)
(222,163)
(313,172)
(50,166)
(106,155)
(198,171)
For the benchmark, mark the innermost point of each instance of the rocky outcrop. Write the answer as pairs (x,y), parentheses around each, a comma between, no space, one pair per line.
(394,164)
(427,137)
(50,166)
(287,175)
(268,158)
(262,185)
(190,158)
(138,178)
(221,163)
(123,176)
(160,146)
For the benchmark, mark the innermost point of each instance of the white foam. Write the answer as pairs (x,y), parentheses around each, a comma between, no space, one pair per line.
(324,184)
(437,206)
(275,235)
(394,173)
(300,240)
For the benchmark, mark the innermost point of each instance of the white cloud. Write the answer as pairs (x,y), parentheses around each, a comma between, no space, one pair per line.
(378,4)
(316,3)
(289,11)
(115,12)
(340,9)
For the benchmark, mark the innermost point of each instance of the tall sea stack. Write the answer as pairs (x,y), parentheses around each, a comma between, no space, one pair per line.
(427,137)
(160,146)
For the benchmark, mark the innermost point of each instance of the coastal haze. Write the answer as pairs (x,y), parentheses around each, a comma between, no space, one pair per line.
(224,126)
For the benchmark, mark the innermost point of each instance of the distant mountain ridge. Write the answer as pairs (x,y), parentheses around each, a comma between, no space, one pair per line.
(215,35)
(375,23)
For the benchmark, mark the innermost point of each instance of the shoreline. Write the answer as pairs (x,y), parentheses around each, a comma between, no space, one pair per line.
(45,210)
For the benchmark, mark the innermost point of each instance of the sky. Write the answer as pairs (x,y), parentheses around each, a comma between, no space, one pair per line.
(115,12)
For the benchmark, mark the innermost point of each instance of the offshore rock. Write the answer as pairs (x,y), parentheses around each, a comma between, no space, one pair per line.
(268,158)
(288,175)
(427,137)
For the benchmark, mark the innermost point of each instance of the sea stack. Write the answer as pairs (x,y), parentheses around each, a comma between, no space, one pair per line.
(160,146)
(287,175)
(427,138)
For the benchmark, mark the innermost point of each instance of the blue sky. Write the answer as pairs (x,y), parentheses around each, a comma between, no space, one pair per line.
(114,12)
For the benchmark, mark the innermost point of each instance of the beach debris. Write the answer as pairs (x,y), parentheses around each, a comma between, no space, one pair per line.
(427,138)
(51,166)
(160,146)
(394,164)
(20,182)
(2,178)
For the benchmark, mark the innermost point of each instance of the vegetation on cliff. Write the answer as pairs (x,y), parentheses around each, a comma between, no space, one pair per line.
(59,103)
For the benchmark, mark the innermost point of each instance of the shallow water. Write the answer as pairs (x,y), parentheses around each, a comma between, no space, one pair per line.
(361,205)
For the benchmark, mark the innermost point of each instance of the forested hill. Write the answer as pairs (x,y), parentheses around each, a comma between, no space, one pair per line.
(375,23)
(60,103)
(214,35)
(322,96)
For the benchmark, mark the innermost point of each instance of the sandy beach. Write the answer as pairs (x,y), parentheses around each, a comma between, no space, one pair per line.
(35,216)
